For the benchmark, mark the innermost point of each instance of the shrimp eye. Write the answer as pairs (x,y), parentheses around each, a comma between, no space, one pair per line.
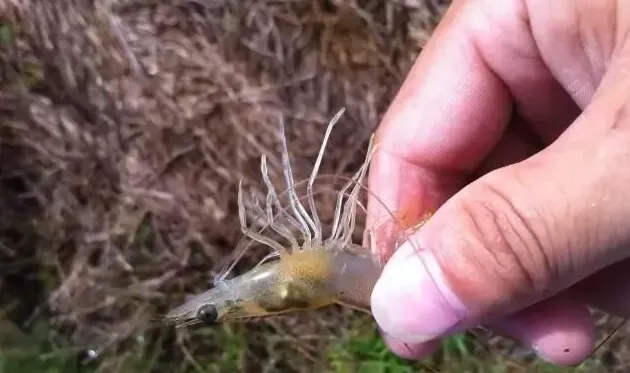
(208,314)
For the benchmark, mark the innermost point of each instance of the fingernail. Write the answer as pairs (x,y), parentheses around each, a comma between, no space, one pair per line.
(411,301)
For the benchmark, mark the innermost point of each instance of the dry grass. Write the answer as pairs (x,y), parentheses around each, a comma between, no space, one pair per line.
(126,125)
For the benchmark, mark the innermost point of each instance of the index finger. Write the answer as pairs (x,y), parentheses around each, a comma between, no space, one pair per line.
(449,113)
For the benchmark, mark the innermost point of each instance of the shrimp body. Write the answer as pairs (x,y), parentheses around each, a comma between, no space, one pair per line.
(309,270)
(295,282)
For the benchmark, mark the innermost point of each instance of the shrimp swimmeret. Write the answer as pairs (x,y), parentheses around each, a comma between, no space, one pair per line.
(309,270)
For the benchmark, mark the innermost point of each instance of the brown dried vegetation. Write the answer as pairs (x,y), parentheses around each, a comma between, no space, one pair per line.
(126,126)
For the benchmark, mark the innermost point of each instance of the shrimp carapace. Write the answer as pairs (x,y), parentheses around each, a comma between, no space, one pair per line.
(313,261)
(298,281)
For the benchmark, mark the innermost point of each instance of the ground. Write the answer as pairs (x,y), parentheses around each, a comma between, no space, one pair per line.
(125,127)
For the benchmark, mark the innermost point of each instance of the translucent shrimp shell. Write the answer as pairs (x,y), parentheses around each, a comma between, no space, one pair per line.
(308,266)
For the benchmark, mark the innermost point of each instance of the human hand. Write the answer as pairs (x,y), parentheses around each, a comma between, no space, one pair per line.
(514,125)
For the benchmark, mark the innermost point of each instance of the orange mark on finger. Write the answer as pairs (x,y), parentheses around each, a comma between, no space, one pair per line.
(407,219)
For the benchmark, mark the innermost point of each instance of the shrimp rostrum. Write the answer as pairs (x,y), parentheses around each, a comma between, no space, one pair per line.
(307,268)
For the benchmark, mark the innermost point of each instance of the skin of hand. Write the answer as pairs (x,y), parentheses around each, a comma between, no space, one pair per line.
(514,127)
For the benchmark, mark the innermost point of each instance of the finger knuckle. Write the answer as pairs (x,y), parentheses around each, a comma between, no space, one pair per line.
(507,239)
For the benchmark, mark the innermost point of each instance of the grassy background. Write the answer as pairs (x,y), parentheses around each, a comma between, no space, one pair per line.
(125,127)
(44,350)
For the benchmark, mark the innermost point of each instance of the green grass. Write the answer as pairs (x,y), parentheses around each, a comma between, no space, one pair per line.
(7,36)
(42,350)
(365,352)
(38,351)
(368,354)
(361,350)
(231,339)
(29,73)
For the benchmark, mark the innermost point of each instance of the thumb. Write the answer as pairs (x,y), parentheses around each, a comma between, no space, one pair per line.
(514,237)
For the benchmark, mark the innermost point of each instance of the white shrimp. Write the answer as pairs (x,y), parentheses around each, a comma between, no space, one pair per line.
(309,270)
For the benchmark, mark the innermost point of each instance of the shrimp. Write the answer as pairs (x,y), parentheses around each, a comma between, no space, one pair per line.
(309,270)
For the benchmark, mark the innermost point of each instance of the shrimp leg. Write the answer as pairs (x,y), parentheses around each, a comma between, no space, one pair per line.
(272,199)
(249,232)
(340,218)
(296,206)
(349,215)
(311,180)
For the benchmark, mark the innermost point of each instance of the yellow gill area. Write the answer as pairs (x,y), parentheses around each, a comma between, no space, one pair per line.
(307,279)
(307,264)
(296,281)
(323,277)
